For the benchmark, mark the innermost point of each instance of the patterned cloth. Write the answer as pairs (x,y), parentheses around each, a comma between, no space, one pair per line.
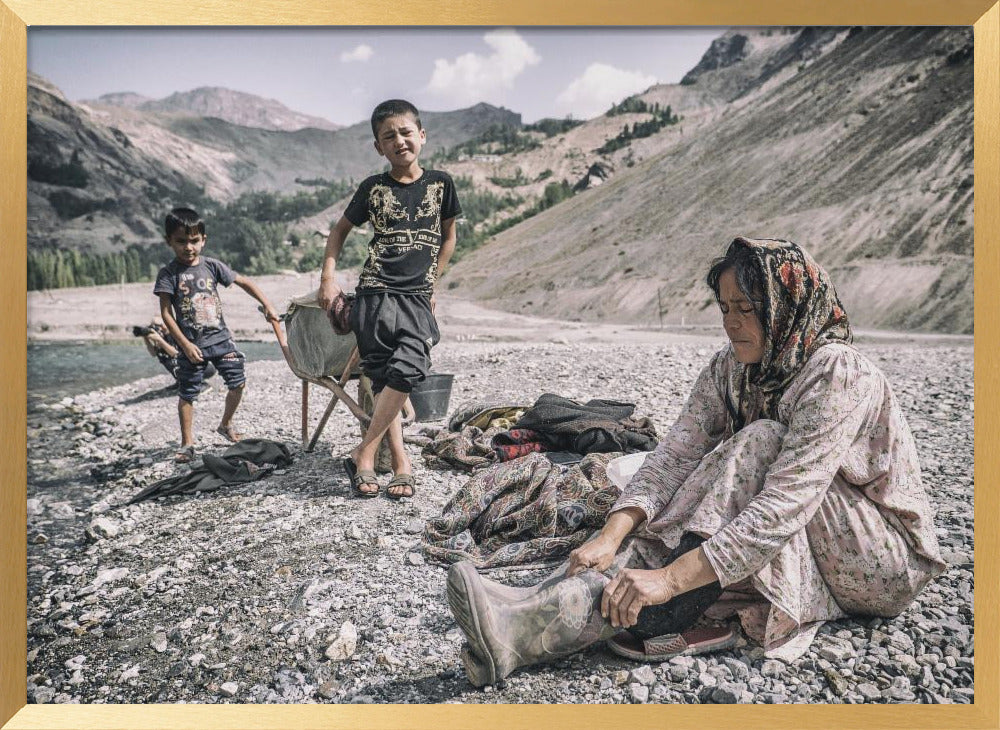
(820,508)
(468,449)
(522,512)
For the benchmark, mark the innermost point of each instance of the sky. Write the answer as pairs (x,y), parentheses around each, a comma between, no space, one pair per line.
(340,74)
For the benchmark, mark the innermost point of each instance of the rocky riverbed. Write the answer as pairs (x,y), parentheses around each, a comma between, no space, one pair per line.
(287,590)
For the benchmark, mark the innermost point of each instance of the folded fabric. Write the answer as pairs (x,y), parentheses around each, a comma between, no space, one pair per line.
(483,415)
(522,512)
(593,427)
(517,442)
(469,449)
(245,461)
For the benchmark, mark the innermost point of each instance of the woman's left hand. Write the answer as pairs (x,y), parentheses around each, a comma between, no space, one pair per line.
(632,590)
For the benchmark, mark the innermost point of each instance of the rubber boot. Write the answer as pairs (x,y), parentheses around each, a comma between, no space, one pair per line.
(556,618)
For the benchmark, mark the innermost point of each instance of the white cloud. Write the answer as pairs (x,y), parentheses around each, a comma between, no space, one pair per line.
(360,53)
(600,86)
(473,77)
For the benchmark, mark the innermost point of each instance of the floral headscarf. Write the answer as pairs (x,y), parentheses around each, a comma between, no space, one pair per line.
(800,313)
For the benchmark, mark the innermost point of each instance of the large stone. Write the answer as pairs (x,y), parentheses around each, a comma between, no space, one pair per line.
(344,646)
(772,668)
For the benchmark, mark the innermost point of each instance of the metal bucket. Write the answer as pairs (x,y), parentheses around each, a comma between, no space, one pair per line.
(430,398)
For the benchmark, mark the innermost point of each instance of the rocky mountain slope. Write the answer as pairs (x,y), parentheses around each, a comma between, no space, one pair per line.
(856,143)
(87,182)
(113,166)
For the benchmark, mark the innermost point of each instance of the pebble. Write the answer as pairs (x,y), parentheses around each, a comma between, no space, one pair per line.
(639,693)
(643,675)
(229,689)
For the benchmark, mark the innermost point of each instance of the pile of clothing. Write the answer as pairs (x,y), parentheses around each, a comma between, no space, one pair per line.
(520,507)
(480,435)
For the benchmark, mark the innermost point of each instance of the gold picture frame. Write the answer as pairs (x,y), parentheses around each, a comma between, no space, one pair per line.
(16,15)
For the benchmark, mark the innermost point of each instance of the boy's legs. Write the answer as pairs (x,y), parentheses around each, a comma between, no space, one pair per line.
(228,362)
(185,410)
(233,398)
(394,334)
(388,405)
(189,379)
(386,421)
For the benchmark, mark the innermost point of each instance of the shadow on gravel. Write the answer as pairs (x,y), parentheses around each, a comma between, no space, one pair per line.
(169,390)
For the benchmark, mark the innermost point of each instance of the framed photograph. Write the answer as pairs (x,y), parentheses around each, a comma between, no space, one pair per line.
(508,29)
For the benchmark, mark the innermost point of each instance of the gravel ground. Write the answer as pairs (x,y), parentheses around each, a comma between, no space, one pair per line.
(288,590)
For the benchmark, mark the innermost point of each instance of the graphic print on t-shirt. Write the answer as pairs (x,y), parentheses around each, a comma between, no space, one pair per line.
(385,208)
(200,306)
(403,253)
(420,233)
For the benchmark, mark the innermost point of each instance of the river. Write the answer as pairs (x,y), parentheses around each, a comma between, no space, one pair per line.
(60,369)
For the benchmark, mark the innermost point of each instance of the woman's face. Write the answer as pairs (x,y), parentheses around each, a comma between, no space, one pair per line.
(740,320)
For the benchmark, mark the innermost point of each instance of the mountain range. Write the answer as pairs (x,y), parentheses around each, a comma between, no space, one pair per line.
(854,142)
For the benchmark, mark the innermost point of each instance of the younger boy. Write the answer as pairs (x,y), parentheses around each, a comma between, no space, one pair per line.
(413,212)
(192,312)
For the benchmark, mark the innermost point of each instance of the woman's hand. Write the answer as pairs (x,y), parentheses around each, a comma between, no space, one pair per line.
(596,554)
(632,590)
(328,291)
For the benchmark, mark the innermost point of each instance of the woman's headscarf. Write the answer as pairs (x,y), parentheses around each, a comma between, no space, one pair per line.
(799,311)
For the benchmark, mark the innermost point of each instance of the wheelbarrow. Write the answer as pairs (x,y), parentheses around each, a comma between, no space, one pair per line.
(319,356)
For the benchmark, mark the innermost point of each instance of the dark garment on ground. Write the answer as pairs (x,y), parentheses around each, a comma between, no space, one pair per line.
(395,333)
(246,461)
(523,512)
(594,426)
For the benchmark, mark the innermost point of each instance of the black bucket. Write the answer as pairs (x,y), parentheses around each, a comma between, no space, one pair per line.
(430,398)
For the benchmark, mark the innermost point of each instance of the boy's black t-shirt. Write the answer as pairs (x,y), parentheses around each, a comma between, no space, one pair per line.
(403,254)
(194,294)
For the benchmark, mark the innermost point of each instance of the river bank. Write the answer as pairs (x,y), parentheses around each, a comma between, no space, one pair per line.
(239,595)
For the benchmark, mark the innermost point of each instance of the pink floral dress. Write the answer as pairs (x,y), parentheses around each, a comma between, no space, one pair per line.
(811,516)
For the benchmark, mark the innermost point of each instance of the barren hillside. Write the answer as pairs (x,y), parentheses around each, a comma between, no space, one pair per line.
(858,146)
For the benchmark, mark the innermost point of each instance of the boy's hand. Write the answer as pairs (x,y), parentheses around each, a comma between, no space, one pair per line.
(192,353)
(269,314)
(433,302)
(328,291)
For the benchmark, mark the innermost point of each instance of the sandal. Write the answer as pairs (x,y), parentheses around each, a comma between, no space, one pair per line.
(357,478)
(699,640)
(401,480)
(230,433)
(184,455)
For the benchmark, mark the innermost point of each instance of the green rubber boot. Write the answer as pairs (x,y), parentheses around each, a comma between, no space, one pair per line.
(509,627)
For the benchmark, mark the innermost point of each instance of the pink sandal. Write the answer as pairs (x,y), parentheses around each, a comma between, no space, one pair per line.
(701,640)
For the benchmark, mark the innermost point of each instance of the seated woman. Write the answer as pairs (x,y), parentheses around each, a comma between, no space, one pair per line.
(790,478)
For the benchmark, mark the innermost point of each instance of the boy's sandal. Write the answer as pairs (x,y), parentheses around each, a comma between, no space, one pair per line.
(184,455)
(401,480)
(229,433)
(357,478)
(699,640)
